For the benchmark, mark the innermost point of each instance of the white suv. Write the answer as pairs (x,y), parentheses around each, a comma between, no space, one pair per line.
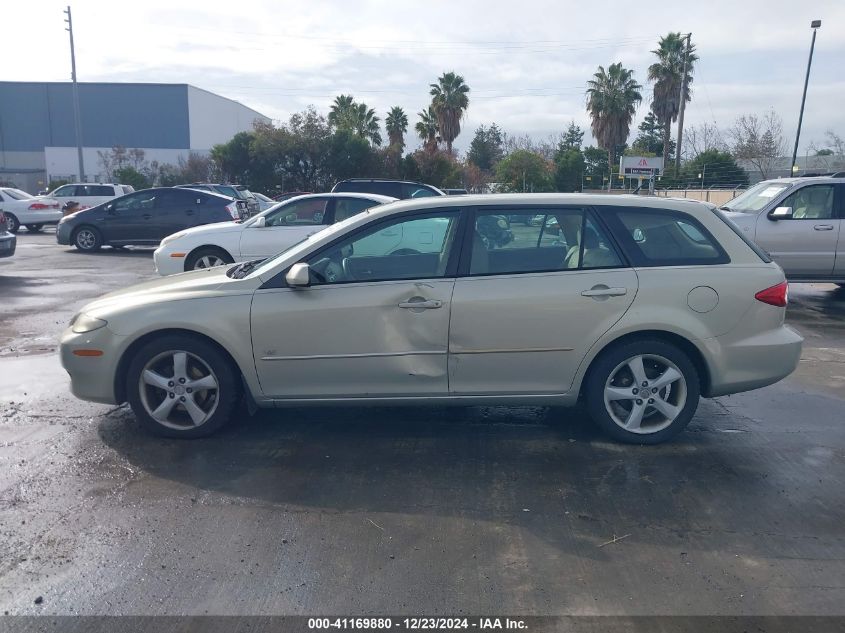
(89,194)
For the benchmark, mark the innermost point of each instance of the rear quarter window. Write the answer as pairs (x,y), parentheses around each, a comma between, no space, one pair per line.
(662,237)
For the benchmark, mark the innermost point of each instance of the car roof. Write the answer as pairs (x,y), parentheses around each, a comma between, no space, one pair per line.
(802,179)
(343,194)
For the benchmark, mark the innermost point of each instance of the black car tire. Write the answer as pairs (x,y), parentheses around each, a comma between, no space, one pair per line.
(609,363)
(207,252)
(34,228)
(224,401)
(12,224)
(87,239)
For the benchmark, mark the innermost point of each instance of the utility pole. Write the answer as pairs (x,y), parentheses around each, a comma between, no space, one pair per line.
(683,103)
(77,120)
(815,24)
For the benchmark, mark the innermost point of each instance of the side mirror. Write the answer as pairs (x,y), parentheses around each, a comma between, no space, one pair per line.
(260,222)
(109,208)
(299,276)
(781,213)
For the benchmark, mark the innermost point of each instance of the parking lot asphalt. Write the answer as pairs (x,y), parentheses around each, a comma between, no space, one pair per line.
(474,510)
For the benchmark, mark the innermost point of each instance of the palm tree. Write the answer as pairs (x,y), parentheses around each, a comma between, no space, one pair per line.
(612,99)
(396,124)
(667,74)
(449,100)
(347,114)
(341,112)
(427,128)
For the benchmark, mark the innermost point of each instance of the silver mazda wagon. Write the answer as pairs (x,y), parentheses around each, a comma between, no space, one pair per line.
(635,305)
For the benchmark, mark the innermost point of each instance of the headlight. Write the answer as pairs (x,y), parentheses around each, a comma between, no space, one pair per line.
(170,238)
(83,323)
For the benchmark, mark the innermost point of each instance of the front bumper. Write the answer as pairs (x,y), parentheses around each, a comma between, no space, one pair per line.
(169,261)
(63,232)
(92,377)
(743,364)
(8,243)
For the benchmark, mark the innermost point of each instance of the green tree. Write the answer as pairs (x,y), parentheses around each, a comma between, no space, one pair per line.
(612,99)
(396,124)
(651,137)
(667,73)
(713,168)
(427,128)
(342,112)
(449,100)
(128,175)
(347,114)
(573,138)
(595,167)
(436,168)
(524,170)
(348,155)
(233,158)
(569,168)
(486,148)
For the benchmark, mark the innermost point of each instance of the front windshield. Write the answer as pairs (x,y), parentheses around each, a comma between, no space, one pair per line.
(757,197)
(17,194)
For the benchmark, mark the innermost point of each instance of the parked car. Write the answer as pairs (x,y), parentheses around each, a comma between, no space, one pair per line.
(246,201)
(651,304)
(89,194)
(799,222)
(262,236)
(263,201)
(24,209)
(401,189)
(8,241)
(144,218)
(456,192)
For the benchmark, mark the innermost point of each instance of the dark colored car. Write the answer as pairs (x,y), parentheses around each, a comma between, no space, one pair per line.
(402,189)
(246,200)
(8,241)
(144,218)
(456,192)
(287,195)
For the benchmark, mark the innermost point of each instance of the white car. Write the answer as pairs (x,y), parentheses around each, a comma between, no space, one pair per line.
(30,211)
(263,201)
(269,232)
(88,194)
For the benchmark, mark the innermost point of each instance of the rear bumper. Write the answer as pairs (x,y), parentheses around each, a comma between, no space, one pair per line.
(744,364)
(8,243)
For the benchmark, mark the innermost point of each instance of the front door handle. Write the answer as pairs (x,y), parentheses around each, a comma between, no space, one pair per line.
(146,216)
(823,227)
(421,303)
(604,291)
(189,212)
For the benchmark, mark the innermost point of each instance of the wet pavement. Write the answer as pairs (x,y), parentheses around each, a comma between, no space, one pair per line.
(477,510)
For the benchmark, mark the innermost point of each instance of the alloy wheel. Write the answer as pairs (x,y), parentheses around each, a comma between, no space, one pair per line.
(645,393)
(85,239)
(208,261)
(179,390)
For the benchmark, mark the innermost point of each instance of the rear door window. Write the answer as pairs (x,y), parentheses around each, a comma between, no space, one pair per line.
(347,207)
(661,237)
(308,212)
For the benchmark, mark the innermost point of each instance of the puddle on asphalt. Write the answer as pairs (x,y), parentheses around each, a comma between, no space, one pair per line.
(29,378)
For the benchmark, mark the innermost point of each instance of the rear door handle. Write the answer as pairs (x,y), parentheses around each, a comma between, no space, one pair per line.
(604,291)
(421,304)
(823,227)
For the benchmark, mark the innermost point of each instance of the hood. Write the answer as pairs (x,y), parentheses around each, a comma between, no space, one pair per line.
(229,226)
(198,283)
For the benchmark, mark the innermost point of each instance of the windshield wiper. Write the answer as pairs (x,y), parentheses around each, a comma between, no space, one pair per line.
(242,270)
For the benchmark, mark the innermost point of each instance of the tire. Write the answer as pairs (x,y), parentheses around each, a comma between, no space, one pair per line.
(148,387)
(34,228)
(613,405)
(87,239)
(12,223)
(207,257)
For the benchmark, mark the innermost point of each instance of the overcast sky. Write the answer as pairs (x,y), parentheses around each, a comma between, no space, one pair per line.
(526,61)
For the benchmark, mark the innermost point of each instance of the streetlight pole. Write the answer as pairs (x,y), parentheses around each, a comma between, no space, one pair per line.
(77,120)
(815,24)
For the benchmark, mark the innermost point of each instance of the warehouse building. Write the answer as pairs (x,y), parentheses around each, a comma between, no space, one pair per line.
(167,121)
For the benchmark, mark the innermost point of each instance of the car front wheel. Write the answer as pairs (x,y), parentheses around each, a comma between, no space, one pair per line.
(643,392)
(180,386)
(87,239)
(208,258)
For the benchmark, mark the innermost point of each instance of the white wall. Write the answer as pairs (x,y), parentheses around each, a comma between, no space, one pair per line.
(213,119)
(61,162)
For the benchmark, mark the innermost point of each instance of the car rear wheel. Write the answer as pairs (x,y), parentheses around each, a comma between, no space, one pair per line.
(87,239)
(208,258)
(34,228)
(182,387)
(643,392)
(12,223)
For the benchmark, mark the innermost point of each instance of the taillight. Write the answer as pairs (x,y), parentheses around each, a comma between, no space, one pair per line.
(233,210)
(775,296)
(40,206)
